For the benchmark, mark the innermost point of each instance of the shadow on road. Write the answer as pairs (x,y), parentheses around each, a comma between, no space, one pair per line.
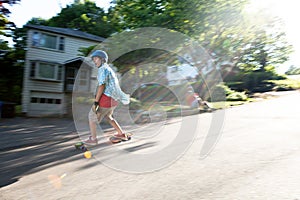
(28,145)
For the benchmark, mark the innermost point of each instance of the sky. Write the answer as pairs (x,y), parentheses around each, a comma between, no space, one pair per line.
(25,10)
(287,9)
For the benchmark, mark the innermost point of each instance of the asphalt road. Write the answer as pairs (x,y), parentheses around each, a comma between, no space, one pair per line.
(256,156)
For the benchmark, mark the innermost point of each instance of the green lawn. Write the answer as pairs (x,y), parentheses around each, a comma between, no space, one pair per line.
(291,83)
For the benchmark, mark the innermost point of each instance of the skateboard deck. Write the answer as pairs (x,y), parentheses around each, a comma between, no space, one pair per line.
(84,147)
(116,140)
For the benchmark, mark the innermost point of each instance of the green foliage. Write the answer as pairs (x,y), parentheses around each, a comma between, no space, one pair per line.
(237,96)
(84,16)
(230,95)
(84,100)
(222,27)
(220,92)
(11,77)
(293,71)
(86,51)
(135,104)
(256,80)
(286,84)
(5,24)
(225,88)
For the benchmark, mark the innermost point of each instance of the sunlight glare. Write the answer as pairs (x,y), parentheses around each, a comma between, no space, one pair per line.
(287,10)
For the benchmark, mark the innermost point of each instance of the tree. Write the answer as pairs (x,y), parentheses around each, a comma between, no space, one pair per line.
(224,28)
(171,14)
(5,25)
(84,16)
(11,77)
(293,70)
(11,66)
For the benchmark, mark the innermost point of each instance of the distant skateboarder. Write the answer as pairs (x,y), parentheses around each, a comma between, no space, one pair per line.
(195,101)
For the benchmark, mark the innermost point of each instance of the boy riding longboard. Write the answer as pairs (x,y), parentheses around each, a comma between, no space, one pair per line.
(108,94)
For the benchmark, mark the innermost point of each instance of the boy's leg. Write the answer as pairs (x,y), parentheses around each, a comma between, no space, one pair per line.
(112,121)
(93,120)
(115,124)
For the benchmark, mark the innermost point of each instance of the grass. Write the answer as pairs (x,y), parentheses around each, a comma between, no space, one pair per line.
(18,110)
(281,85)
(287,84)
(227,104)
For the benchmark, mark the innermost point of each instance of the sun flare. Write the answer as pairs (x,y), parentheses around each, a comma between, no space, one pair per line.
(288,11)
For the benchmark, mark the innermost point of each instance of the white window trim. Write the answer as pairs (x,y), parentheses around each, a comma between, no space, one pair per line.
(57,43)
(56,70)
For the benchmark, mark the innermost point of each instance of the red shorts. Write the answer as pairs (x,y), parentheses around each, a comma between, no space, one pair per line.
(107,102)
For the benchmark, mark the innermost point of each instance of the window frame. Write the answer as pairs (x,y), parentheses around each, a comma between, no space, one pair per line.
(38,36)
(43,100)
(35,67)
(70,77)
(80,75)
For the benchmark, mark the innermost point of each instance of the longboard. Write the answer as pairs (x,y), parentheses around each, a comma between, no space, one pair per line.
(116,140)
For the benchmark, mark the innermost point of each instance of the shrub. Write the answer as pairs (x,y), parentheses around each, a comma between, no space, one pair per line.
(135,104)
(222,92)
(237,96)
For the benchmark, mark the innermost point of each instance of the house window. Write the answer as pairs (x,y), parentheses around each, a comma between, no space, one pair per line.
(32,69)
(35,39)
(34,100)
(83,77)
(44,40)
(61,45)
(46,71)
(48,41)
(59,72)
(71,73)
(45,100)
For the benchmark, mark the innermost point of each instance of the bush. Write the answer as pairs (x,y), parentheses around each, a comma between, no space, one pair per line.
(237,96)
(222,92)
(282,88)
(84,100)
(135,104)
(218,93)
(287,84)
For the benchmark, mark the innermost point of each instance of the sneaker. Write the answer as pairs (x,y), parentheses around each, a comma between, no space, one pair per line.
(91,141)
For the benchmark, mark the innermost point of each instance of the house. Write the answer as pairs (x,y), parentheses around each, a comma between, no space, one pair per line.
(50,70)
(188,71)
(179,74)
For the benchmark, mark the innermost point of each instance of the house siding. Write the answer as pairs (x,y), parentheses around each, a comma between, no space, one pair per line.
(44,88)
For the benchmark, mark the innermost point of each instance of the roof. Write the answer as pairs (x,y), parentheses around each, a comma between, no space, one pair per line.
(67,31)
(86,60)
